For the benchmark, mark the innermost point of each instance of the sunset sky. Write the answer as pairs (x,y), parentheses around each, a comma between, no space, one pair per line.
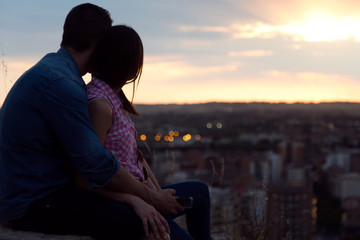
(210,50)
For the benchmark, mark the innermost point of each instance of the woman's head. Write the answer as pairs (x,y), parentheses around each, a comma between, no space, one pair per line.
(118,58)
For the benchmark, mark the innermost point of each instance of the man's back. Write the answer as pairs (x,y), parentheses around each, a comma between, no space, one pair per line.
(44,133)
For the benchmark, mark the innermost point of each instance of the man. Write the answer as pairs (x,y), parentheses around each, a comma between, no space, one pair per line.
(46,135)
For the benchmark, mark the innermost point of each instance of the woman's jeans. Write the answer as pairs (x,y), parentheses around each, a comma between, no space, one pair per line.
(197,217)
(73,211)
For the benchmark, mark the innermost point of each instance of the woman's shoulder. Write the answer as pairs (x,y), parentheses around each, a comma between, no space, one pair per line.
(94,91)
(100,107)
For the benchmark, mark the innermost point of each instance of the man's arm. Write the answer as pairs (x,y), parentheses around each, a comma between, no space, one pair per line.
(66,106)
(147,213)
(163,200)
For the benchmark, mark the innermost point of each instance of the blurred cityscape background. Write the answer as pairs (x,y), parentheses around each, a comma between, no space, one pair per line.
(275,171)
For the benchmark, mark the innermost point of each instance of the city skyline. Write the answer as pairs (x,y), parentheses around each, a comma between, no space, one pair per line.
(224,50)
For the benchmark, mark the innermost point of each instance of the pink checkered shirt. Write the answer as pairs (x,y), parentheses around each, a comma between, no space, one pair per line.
(121,139)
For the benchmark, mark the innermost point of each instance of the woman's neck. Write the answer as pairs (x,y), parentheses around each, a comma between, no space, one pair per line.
(117,90)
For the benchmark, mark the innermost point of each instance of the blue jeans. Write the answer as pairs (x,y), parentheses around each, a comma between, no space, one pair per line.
(73,211)
(198,217)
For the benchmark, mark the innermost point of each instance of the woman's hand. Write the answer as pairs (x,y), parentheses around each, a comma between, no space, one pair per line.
(149,215)
(165,202)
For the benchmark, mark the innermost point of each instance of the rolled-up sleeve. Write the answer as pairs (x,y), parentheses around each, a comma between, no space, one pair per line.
(66,104)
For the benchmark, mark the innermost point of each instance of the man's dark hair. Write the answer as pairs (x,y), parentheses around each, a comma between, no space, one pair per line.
(84,25)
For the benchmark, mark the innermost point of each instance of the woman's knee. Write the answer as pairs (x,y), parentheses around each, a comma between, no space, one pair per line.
(201,187)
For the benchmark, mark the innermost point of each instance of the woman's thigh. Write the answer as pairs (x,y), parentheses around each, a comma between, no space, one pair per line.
(199,191)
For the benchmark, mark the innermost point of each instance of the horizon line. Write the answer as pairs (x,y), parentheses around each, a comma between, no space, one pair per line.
(248,102)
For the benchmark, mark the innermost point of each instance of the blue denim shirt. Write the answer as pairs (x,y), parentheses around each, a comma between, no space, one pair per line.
(46,133)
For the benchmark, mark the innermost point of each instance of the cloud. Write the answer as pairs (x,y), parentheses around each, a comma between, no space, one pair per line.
(243,30)
(302,20)
(281,12)
(251,53)
(254,30)
(215,29)
(168,68)
(319,28)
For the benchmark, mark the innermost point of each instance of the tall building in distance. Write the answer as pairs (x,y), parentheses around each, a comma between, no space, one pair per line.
(291,205)
(291,152)
(291,212)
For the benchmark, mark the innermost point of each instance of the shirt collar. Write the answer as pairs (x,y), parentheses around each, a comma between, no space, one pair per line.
(71,62)
(115,98)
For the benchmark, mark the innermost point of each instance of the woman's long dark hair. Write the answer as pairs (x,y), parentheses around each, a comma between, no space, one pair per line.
(118,60)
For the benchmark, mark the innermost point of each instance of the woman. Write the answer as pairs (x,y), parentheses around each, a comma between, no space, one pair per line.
(118,60)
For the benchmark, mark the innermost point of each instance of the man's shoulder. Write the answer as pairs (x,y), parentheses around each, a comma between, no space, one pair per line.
(58,64)
(52,75)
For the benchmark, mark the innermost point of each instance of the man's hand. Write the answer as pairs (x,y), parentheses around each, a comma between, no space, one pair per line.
(149,215)
(165,202)
(152,237)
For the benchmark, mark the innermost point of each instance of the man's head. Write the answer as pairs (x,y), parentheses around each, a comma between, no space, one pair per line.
(84,25)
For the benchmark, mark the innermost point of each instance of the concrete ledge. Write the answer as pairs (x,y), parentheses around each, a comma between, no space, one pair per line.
(7,233)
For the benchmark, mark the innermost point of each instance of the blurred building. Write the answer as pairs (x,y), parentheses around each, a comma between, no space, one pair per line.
(350,219)
(355,162)
(225,207)
(291,212)
(347,185)
(339,158)
(291,152)
(291,205)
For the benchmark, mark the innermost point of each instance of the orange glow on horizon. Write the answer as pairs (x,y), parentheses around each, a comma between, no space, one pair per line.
(271,86)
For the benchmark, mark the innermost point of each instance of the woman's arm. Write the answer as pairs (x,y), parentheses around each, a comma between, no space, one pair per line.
(101,116)
(123,184)
(151,175)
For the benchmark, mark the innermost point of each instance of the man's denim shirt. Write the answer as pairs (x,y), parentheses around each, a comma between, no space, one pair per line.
(46,133)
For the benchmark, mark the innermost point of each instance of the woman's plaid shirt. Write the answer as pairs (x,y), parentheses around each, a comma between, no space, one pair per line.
(121,139)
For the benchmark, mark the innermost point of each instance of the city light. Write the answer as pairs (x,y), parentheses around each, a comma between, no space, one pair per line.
(209,125)
(167,138)
(219,125)
(186,137)
(143,137)
(158,137)
(197,137)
